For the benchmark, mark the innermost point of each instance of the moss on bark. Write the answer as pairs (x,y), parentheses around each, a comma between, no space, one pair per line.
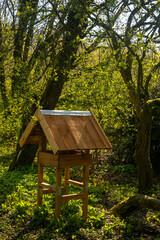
(135,202)
(142,147)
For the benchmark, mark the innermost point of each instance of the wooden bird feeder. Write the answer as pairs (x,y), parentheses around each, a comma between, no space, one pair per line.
(71,135)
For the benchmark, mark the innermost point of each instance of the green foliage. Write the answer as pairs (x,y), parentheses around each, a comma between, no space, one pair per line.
(122,169)
(40,217)
(96,218)
(21,219)
(94,85)
(97,85)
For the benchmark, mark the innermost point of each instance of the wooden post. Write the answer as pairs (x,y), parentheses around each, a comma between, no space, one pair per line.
(40,180)
(85,191)
(58,192)
(42,147)
(66,184)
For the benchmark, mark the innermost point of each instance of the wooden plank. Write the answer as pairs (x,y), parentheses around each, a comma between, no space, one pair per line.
(100,132)
(48,186)
(67,135)
(47,132)
(86,134)
(72,143)
(79,184)
(72,196)
(67,131)
(40,179)
(32,140)
(92,132)
(47,191)
(63,135)
(42,147)
(85,140)
(67,176)
(42,143)
(28,129)
(76,129)
(73,160)
(48,159)
(66,184)
(58,193)
(56,131)
(37,130)
(85,191)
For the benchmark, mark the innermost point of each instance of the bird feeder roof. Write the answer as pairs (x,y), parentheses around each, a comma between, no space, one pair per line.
(66,130)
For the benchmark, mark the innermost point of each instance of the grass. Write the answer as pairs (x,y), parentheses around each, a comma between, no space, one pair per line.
(21,219)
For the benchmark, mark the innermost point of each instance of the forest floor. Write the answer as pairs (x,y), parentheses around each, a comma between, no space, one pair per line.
(21,219)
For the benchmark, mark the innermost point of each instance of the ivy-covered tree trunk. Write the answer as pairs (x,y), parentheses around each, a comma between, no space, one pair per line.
(26,155)
(138,68)
(2,71)
(142,149)
(23,156)
(63,62)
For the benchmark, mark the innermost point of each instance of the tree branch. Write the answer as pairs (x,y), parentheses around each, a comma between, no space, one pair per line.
(148,79)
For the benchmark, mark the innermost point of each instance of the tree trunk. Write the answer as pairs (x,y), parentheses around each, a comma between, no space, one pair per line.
(142,149)
(23,156)
(142,146)
(76,26)
(135,202)
(2,72)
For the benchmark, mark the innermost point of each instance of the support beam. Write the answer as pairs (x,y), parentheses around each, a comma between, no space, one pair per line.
(85,191)
(58,192)
(72,196)
(42,147)
(79,184)
(48,186)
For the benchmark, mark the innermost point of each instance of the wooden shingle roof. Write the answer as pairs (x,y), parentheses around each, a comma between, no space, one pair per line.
(66,130)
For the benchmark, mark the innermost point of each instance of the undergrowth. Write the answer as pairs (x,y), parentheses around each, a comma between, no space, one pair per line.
(20,218)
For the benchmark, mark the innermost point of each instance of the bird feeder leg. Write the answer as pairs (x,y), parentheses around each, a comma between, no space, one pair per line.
(66,184)
(85,191)
(58,193)
(42,147)
(40,180)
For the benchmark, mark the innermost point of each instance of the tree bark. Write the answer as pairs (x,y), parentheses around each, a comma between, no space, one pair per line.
(23,156)
(26,155)
(135,202)
(2,71)
(142,146)
(64,60)
(129,58)
(142,149)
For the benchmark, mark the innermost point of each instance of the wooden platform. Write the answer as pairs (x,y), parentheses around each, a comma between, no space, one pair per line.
(64,160)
